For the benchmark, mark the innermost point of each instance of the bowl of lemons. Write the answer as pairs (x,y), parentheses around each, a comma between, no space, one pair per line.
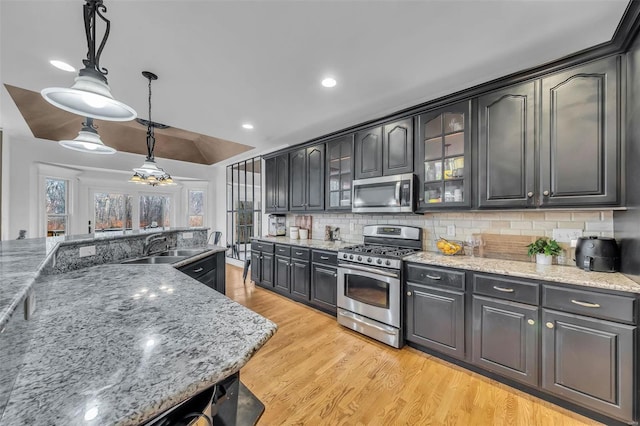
(449,248)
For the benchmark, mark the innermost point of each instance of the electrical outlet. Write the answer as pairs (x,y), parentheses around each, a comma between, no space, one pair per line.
(451,230)
(87,251)
(187,235)
(565,235)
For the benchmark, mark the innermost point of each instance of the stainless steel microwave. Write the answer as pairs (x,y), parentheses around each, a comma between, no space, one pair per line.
(386,194)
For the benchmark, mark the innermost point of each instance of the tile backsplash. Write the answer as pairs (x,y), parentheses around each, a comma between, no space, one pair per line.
(434,225)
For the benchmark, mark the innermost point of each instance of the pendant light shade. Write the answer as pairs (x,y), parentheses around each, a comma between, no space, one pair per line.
(150,173)
(90,95)
(88,140)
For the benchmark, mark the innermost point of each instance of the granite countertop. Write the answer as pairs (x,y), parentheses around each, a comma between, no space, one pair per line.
(314,244)
(131,342)
(553,273)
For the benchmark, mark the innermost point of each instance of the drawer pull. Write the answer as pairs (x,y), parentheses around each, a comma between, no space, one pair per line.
(299,253)
(549,325)
(585,304)
(409,293)
(531,322)
(198,270)
(324,257)
(434,277)
(503,289)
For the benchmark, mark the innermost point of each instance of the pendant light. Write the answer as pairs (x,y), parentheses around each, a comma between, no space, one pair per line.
(150,173)
(90,95)
(88,140)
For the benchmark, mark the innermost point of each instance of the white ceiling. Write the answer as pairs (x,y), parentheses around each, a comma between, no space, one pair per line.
(222,63)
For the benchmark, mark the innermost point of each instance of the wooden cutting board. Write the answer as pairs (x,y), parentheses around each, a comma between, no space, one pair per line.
(508,247)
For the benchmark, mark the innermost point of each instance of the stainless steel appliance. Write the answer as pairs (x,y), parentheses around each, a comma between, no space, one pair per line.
(370,281)
(599,254)
(386,194)
(277,225)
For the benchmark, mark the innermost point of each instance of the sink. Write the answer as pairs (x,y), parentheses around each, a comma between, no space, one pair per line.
(181,252)
(155,260)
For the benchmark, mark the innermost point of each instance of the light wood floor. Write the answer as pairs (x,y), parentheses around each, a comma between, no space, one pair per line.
(315,372)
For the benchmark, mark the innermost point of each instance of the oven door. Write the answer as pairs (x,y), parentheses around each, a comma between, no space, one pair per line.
(370,292)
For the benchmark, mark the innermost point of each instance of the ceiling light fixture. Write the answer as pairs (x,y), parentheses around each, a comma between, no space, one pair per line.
(329,82)
(88,140)
(62,65)
(90,95)
(247,126)
(150,173)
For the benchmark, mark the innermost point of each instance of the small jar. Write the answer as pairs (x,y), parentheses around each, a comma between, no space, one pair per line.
(304,234)
(293,232)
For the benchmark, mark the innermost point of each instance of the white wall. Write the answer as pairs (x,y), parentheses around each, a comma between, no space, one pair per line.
(27,160)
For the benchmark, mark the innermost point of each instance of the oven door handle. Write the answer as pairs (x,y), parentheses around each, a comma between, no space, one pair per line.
(362,320)
(369,270)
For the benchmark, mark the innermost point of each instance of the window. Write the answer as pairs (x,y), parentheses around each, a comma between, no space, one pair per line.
(196,208)
(56,206)
(113,212)
(155,211)
(244,212)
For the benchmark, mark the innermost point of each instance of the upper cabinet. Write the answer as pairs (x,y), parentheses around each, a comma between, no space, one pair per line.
(443,160)
(277,184)
(306,183)
(384,150)
(580,138)
(506,147)
(339,173)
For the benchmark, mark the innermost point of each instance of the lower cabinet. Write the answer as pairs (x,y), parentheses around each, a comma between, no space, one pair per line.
(300,278)
(266,267)
(590,362)
(435,319)
(282,276)
(324,284)
(505,338)
(210,271)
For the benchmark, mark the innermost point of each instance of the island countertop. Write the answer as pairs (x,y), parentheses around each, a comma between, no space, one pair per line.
(119,344)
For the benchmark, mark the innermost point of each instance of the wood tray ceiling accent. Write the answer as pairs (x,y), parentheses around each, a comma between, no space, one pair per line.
(49,122)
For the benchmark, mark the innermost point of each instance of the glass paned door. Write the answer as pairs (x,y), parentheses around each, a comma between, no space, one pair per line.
(339,173)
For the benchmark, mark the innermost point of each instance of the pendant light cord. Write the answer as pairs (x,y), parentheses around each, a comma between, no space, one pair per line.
(151,140)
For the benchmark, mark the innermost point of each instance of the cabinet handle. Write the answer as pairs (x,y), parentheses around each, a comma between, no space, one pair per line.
(299,253)
(530,322)
(585,304)
(545,193)
(421,199)
(409,293)
(335,275)
(529,194)
(503,289)
(549,325)
(434,277)
(198,270)
(324,257)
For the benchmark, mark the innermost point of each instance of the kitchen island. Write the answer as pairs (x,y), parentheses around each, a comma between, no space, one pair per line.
(118,344)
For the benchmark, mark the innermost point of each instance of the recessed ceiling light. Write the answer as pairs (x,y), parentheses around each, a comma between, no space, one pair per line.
(62,66)
(329,82)
(247,126)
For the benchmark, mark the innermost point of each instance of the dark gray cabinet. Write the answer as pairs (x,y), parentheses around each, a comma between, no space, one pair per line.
(256,262)
(443,157)
(267,270)
(506,147)
(435,319)
(281,278)
(384,150)
(589,361)
(368,153)
(277,184)
(262,263)
(324,284)
(580,137)
(339,173)
(210,271)
(300,279)
(505,338)
(307,179)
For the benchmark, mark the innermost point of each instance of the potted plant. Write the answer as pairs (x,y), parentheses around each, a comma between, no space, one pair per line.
(544,249)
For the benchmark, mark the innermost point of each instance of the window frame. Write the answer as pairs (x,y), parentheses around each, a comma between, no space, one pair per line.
(64,215)
(204,206)
(172,208)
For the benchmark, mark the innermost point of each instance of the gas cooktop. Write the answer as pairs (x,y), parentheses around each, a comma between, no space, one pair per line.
(380,250)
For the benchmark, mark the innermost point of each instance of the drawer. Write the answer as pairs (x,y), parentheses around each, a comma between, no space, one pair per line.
(262,246)
(300,253)
(283,250)
(430,275)
(598,305)
(199,268)
(506,288)
(326,257)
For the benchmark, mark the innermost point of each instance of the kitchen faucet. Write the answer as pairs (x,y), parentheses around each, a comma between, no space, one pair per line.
(153,240)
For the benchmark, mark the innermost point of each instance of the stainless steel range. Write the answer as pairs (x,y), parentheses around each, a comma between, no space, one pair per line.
(370,281)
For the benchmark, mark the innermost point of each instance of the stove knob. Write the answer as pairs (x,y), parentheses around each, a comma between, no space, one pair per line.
(388,262)
(351,257)
(359,257)
(379,261)
(345,256)
(369,259)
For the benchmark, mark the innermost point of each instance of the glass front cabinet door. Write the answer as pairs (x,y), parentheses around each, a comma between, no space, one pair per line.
(339,173)
(443,160)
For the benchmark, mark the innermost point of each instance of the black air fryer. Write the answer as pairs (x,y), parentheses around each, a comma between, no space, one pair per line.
(598,254)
